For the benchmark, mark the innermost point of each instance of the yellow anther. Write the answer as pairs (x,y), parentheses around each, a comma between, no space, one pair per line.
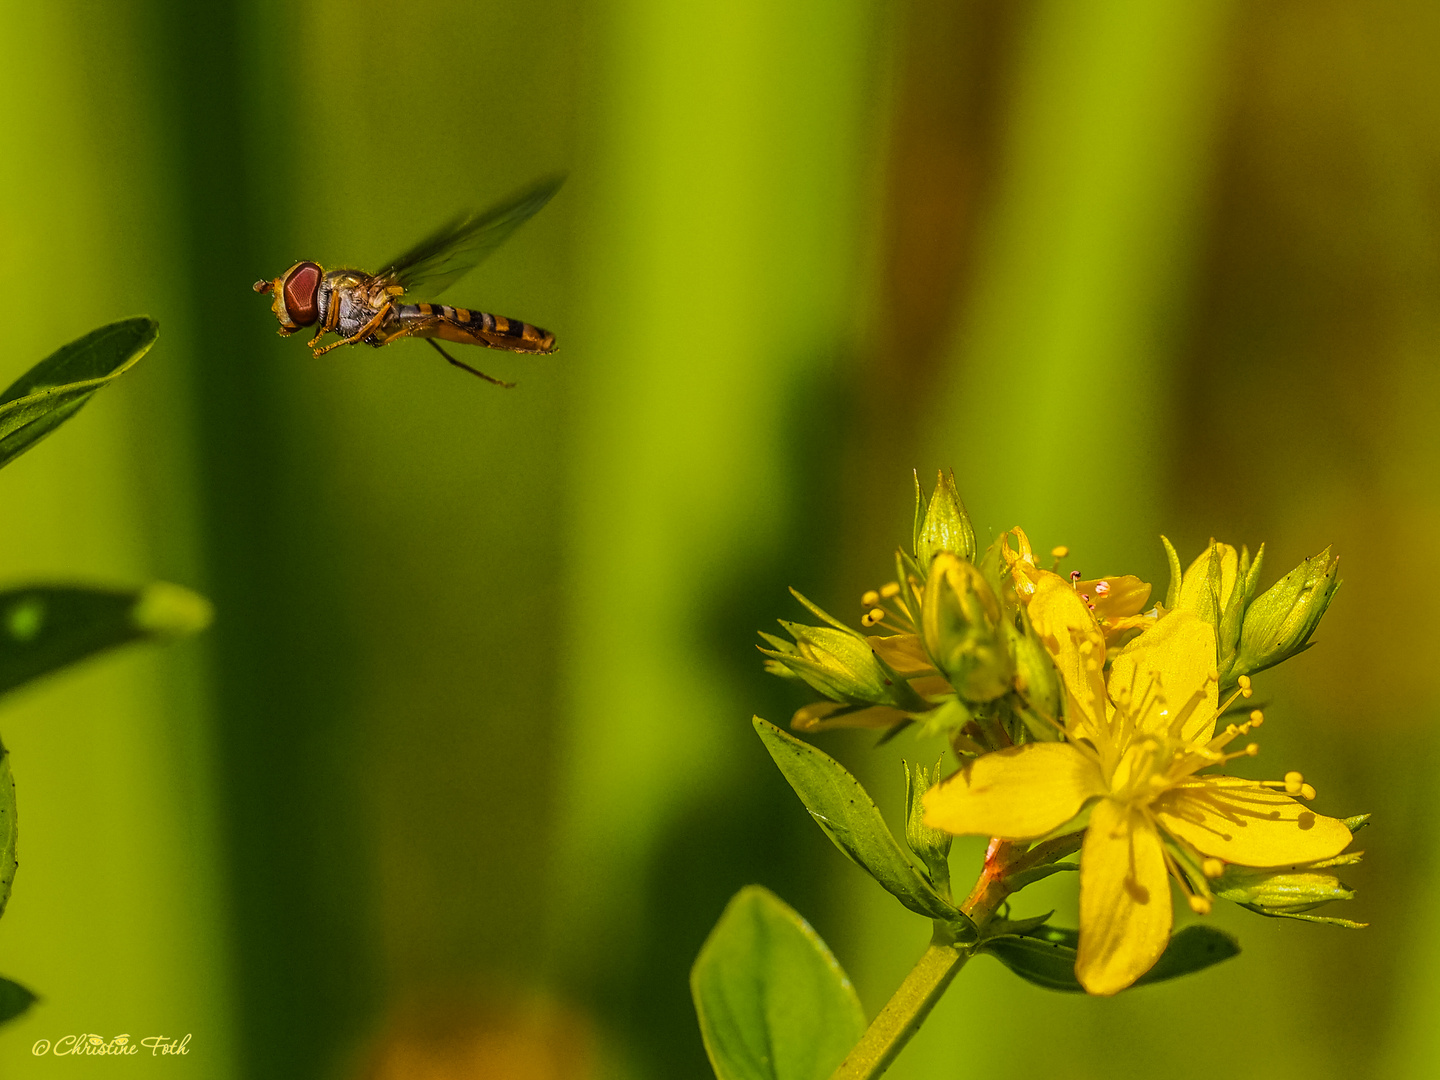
(878,613)
(1245,690)
(890,591)
(1256,718)
(1293,783)
(1213,867)
(1252,749)
(1060,552)
(1201,905)
(1214,675)
(870,618)
(1307,792)
(870,599)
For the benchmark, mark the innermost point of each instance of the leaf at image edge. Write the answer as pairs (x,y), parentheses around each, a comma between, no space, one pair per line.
(1046,957)
(8,861)
(57,387)
(47,627)
(772,1000)
(15,1000)
(847,814)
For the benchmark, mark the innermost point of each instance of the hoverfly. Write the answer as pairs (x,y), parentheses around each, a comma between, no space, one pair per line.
(363,307)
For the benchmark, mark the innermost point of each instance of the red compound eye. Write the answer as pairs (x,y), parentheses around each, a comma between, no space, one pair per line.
(302,284)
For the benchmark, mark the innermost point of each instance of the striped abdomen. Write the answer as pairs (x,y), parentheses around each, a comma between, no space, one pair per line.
(474,328)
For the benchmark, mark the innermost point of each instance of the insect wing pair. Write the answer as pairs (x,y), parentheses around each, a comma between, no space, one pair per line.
(363,307)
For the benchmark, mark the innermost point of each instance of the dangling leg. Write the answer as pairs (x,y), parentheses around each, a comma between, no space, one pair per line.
(467,367)
(332,316)
(360,335)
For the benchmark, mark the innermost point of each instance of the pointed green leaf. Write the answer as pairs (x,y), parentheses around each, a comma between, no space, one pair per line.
(43,628)
(847,814)
(54,390)
(8,861)
(15,1000)
(773,1002)
(1046,956)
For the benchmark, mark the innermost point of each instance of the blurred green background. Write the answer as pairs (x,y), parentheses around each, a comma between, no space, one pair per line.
(463,773)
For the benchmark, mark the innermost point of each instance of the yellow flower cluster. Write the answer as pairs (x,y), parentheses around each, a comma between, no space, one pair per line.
(1138,731)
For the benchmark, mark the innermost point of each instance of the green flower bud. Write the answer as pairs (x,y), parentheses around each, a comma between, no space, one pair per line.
(839,663)
(1287,892)
(1279,623)
(945,525)
(930,844)
(961,629)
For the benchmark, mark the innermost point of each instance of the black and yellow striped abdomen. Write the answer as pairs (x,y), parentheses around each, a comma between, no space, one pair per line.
(474,328)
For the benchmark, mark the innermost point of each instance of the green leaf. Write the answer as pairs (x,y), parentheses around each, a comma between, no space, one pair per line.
(15,1000)
(8,862)
(773,1002)
(54,390)
(1046,956)
(43,628)
(841,807)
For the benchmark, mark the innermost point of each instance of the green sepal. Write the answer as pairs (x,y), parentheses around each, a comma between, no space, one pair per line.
(919,513)
(1015,882)
(57,387)
(1000,927)
(931,845)
(15,1000)
(1356,823)
(846,813)
(43,628)
(1172,594)
(772,1000)
(1330,920)
(1227,634)
(1046,956)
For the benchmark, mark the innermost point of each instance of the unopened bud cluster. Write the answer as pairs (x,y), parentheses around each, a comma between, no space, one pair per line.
(950,647)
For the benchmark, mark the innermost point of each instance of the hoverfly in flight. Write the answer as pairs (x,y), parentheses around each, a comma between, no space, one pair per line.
(363,307)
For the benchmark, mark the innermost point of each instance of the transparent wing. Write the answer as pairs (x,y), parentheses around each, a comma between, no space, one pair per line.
(457,247)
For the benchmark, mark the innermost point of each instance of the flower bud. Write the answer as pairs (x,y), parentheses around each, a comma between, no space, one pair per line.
(1285,892)
(1278,624)
(945,526)
(930,844)
(961,621)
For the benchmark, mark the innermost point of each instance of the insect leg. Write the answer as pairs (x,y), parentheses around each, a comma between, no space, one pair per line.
(361,334)
(332,316)
(467,367)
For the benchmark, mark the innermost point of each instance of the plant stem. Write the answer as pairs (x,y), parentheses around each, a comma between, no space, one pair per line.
(904,1012)
(931,976)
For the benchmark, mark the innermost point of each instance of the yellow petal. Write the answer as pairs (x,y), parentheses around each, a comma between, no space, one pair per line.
(904,653)
(1125,914)
(1020,793)
(1115,597)
(1250,825)
(1071,636)
(819,716)
(1166,672)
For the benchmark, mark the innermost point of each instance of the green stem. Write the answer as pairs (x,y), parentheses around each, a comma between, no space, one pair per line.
(904,1012)
(931,976)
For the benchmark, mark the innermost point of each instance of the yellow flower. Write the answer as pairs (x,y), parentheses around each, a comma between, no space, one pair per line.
(1133,753)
